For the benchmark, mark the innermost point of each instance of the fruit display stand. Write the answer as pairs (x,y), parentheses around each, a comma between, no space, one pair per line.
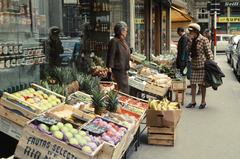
(50,147)
(20,113)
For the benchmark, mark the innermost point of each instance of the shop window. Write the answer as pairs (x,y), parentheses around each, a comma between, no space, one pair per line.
(202,13)
(139,27)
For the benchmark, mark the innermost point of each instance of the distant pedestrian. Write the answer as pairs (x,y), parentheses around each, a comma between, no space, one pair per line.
(182,42)
(200,50)
(207,34)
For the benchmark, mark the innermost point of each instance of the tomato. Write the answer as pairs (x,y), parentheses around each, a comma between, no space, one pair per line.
(110,133)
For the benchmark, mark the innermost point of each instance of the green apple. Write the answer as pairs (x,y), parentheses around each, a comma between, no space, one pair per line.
(17,95)
(83,133)
(58,101)
(44,101)
(22,99)
(45,126)
(73,131)
(45,95)
(41,97)
(60,125)
(40,92)
(69,126)
(87,149)
(49,100)
(82,141)
(36,104)
(31,90)
(30,100)
(22,93)
(48,105)
(44,108)
(68,134)
(64,128)
(11,98)
(53,103)
(73,141)
(36,94)
(77,136)
(53,97)
(27,91)
(58,134)
(54,128)
(87,138)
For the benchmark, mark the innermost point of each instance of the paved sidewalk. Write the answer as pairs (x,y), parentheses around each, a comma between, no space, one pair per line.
(211,133)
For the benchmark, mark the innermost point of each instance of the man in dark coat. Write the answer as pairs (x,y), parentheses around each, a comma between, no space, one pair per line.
(182,42)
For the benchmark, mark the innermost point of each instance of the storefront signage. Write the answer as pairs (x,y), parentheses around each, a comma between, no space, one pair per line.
(228,20)
(70,1)
(139,20)
(232,4)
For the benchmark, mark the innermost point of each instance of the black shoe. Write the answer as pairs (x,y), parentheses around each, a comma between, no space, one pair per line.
(190,105)
(202,106)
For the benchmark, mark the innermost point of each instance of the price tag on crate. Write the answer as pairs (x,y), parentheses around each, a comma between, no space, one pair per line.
(46,120)
(110,119)
(94,128)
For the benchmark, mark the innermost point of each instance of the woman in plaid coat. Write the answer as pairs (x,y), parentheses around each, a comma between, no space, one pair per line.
(200,50)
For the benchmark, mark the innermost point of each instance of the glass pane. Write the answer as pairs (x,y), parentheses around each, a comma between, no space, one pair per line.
(139,26)
(153,29)
(164,30)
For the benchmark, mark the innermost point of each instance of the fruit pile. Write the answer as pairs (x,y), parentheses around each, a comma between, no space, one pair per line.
(37,98)
(115,132)
(101,73)
(135,110)
(66,133)
(162,105)
(84,98)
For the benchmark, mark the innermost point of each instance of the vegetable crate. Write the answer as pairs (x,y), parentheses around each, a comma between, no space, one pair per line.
(177,84)
(36,144)
(162,136)
(84,97)
(19,108)
(155,89)
(66,111)
(107,86)
(180,96)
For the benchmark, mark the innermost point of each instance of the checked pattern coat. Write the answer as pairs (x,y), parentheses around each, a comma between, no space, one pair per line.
(204,52)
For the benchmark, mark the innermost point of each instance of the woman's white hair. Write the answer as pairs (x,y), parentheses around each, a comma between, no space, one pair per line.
(119,27)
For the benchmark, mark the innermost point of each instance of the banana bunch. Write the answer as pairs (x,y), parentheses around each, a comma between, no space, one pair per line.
(164,104)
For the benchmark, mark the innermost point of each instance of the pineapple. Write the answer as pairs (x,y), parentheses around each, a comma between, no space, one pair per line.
(112,102)
(80,79)
(98,101)
(91,84)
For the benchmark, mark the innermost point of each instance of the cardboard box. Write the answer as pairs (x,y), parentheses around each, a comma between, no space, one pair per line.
(163,118)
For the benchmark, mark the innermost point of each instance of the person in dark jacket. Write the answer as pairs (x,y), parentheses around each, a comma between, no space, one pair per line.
(182,42)
(52,47)
(118,56)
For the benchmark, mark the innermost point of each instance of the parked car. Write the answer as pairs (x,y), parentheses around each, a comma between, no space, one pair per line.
(222,41)
(236,60)
(232,44)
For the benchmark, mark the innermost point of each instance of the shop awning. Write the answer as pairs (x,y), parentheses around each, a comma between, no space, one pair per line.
(179,15)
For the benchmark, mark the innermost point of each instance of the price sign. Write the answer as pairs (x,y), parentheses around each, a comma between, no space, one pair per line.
(80,118)
(110,119)
(46,120)
(94,128)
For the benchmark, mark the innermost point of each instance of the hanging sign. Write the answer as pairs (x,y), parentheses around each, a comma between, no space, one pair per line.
(228,19)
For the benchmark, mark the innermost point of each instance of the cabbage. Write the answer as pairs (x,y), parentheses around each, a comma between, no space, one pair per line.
(92,145)
(42,129)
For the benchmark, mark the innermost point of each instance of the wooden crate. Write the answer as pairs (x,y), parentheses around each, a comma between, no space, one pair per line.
(176,84)
(154,89)
(107,89)
(162,136)
(24,110)
(18,119)
(180,96)
(49,147)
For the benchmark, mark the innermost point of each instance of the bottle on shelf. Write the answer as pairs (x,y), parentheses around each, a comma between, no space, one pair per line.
(13,89)
(1,93)
(9,90)
(21,87)
(17,88)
